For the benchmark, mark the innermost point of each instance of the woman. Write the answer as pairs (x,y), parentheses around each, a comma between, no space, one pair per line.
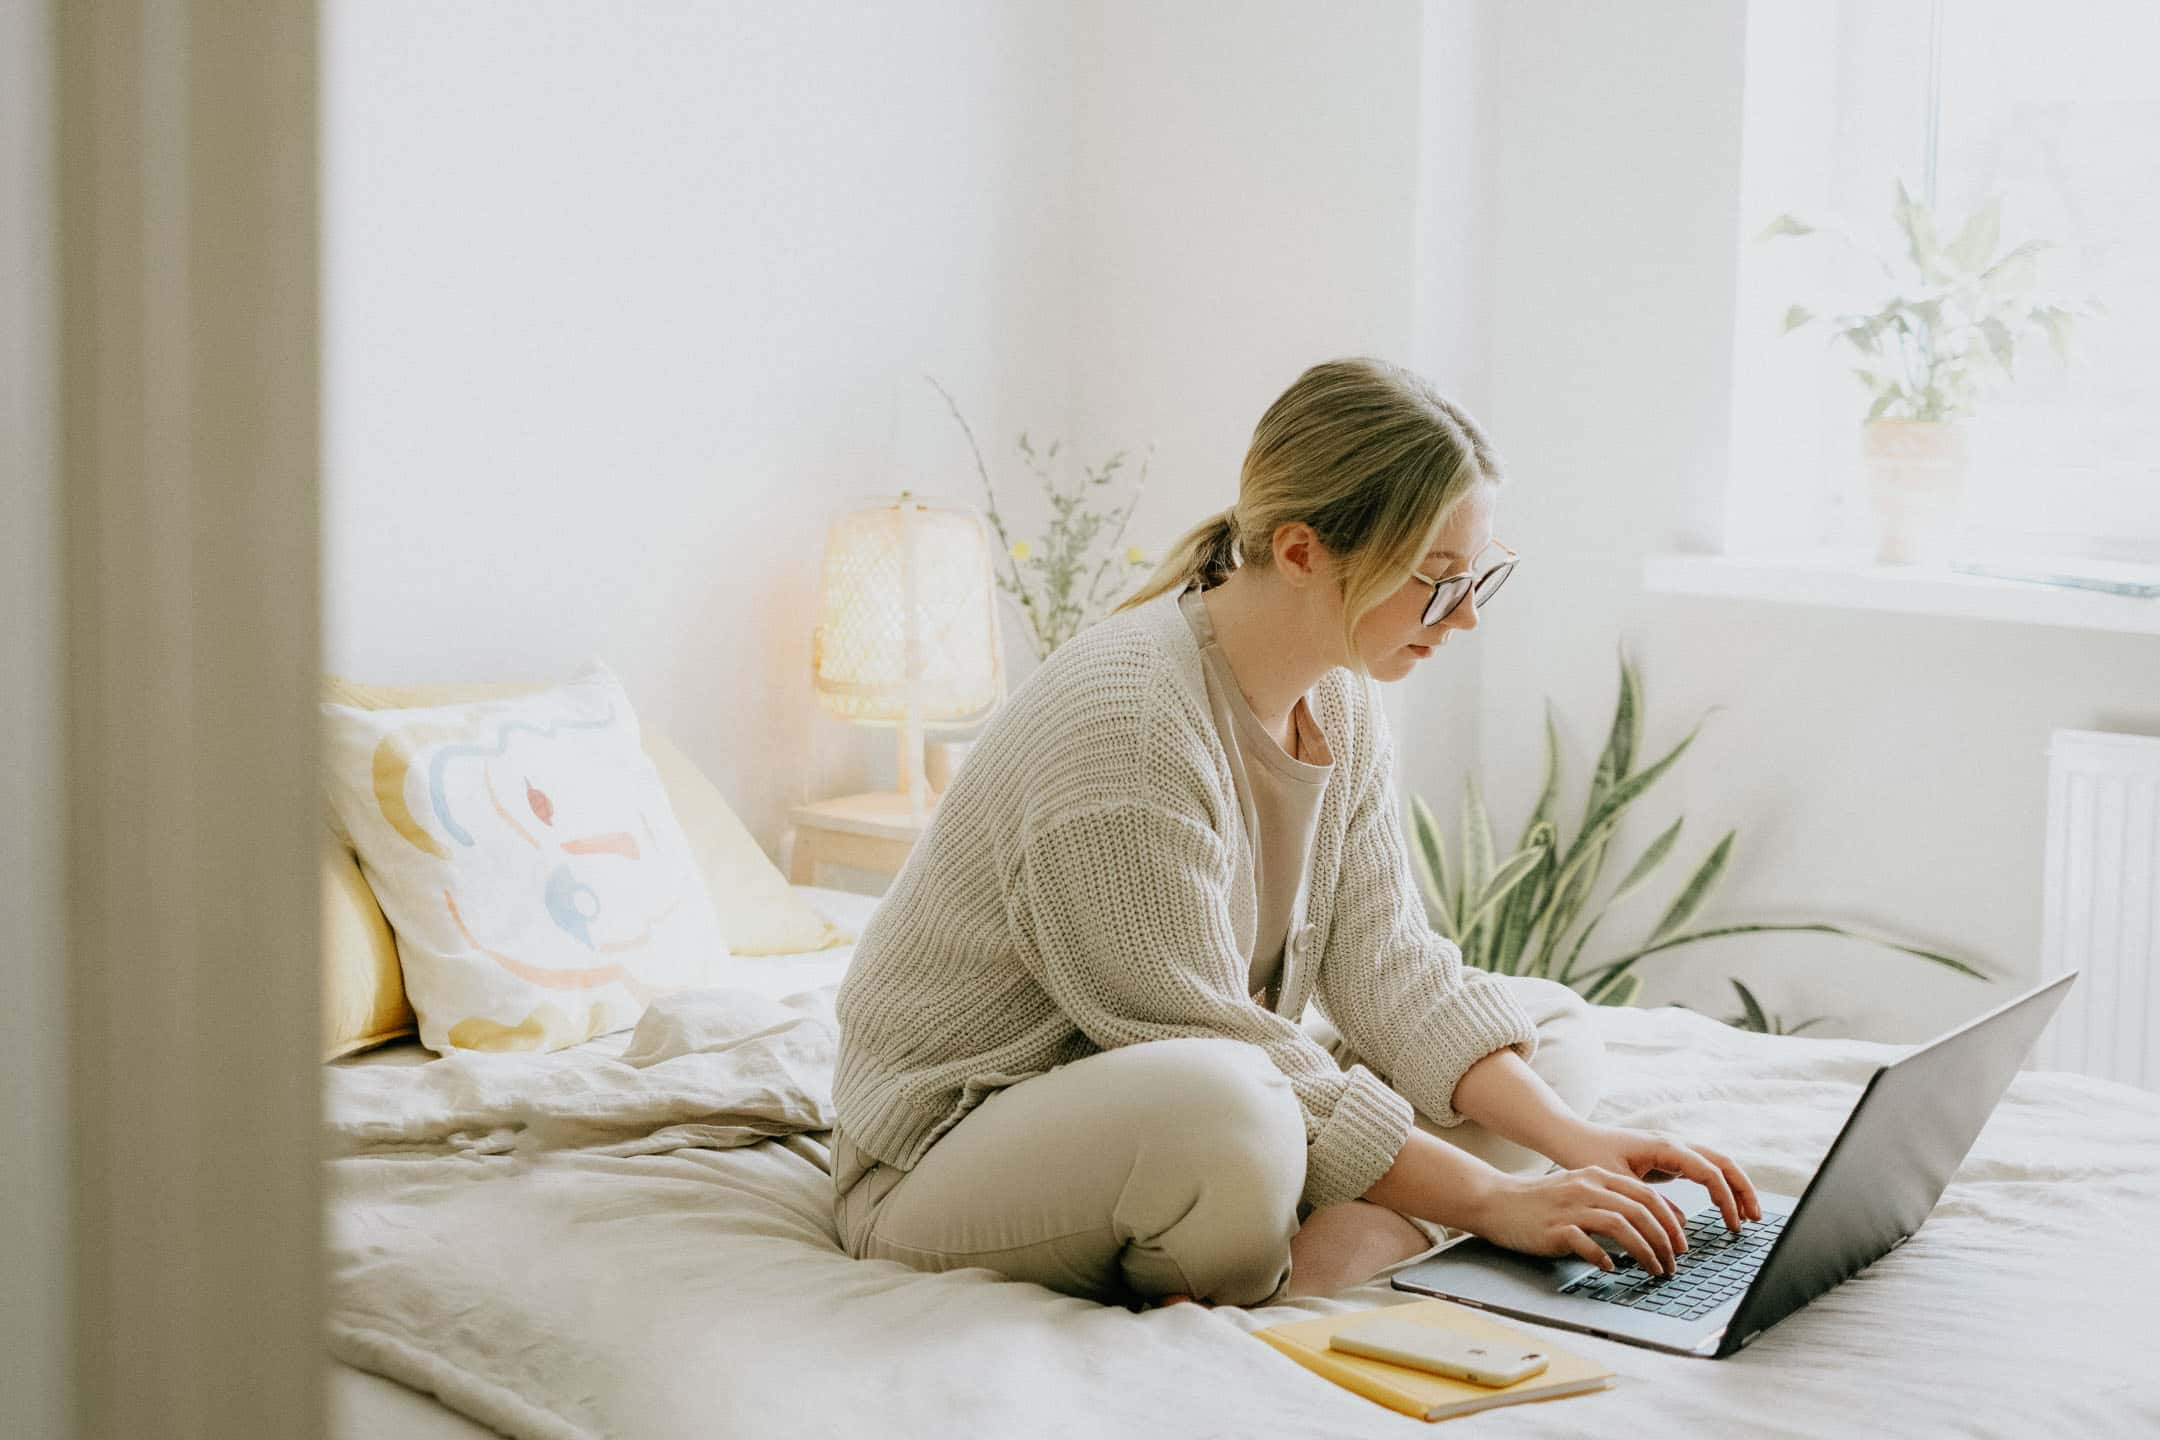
(1071,1046)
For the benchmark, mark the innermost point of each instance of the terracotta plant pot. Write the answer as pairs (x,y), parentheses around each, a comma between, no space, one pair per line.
(1916,482)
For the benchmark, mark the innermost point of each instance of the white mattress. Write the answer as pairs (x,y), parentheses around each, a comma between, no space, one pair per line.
(698,1288)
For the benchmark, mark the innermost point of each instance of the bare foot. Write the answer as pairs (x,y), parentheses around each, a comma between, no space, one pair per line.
(1180,1300)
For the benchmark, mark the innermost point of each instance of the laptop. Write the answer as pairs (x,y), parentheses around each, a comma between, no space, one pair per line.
(1903,1141)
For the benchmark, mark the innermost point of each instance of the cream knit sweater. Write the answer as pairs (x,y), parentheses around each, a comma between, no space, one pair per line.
(1074,893)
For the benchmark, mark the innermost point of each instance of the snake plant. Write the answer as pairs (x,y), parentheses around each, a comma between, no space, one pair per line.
(1754,1017)
(1515,915)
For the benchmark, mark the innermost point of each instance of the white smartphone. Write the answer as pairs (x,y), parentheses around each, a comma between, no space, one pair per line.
(1443,1352)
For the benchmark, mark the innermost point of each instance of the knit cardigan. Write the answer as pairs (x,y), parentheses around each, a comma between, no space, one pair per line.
(1073,893)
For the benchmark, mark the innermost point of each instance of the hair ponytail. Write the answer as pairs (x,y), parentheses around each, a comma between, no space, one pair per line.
(1204,556)
(1368,454)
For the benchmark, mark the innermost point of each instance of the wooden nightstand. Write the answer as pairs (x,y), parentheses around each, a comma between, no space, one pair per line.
(872,831)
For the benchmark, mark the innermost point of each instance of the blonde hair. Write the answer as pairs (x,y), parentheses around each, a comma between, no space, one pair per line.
(1368,454)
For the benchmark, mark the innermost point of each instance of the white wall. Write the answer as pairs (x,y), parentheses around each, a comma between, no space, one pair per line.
(624,303)
(1885,772)
(623,306)
(34,1319)
(1249,201)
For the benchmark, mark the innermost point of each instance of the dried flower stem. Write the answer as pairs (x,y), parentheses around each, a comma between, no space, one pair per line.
(1052,608)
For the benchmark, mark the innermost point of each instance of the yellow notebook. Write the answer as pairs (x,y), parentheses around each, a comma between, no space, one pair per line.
(1419,1392)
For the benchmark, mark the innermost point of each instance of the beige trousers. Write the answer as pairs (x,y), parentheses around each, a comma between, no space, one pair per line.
(1173,1166)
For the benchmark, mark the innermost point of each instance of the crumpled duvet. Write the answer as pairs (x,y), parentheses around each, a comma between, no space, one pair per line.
(635,1238)
(703,1069)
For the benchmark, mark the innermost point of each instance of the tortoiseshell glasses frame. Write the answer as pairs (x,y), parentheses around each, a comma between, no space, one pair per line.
(1449,590)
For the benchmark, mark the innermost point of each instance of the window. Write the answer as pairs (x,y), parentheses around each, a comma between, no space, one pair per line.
(2057,108)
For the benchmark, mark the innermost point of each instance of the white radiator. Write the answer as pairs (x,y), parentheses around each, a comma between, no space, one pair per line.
(2102,914)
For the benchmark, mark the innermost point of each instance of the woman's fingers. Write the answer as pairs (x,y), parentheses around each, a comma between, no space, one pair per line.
(1649,1217)
(1675,1221)
(1707,1169)
(1668,1214)
(1750,1204)
(1632,1234)
(1602,1191)
(1717,1173)
(1589,1249)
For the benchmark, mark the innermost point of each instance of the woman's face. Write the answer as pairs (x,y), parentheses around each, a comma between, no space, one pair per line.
(1392,638)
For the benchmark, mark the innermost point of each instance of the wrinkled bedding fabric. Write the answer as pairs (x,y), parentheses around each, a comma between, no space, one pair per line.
(635,1238)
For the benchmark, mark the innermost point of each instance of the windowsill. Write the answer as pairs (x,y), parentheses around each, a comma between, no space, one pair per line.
(1848,582)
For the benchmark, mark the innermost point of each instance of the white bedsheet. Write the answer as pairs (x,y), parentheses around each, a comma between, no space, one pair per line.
(500,1242)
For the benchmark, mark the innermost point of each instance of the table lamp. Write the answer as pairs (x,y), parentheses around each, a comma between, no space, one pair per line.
(907,631)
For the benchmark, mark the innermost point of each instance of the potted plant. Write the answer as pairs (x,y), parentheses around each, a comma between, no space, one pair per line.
(1046,576)
(1752,1016)
(1513,915)
(1946,334)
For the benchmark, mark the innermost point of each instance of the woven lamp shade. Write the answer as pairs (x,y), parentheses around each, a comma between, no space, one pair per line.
(908,613)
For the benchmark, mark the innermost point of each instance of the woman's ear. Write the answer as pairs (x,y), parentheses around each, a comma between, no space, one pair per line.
(1299,555)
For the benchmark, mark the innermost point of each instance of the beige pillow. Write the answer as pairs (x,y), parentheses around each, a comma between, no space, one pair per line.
(363,991)
(364,1000)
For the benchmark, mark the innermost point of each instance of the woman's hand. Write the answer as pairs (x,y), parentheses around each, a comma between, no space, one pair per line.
(1649,1156)
(1560,1213)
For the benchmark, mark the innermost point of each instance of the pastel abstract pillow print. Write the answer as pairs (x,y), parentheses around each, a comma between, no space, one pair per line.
(527,859)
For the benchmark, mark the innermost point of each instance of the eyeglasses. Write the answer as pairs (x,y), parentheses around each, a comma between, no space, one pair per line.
(1449,590)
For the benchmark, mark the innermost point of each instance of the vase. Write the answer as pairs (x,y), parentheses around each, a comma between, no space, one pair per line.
(1916,482)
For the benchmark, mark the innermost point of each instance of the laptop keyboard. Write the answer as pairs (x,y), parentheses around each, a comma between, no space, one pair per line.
(1717,1266)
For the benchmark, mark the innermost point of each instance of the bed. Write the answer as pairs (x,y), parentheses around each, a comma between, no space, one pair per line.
(634,1238)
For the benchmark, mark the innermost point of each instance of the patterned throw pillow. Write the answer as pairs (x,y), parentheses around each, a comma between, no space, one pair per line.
(528,861)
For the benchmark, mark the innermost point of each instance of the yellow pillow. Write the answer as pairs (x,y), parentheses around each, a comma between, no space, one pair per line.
(363,991)
(364,1003)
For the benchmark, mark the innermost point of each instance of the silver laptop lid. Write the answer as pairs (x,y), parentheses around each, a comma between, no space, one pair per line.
(1905,1138)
